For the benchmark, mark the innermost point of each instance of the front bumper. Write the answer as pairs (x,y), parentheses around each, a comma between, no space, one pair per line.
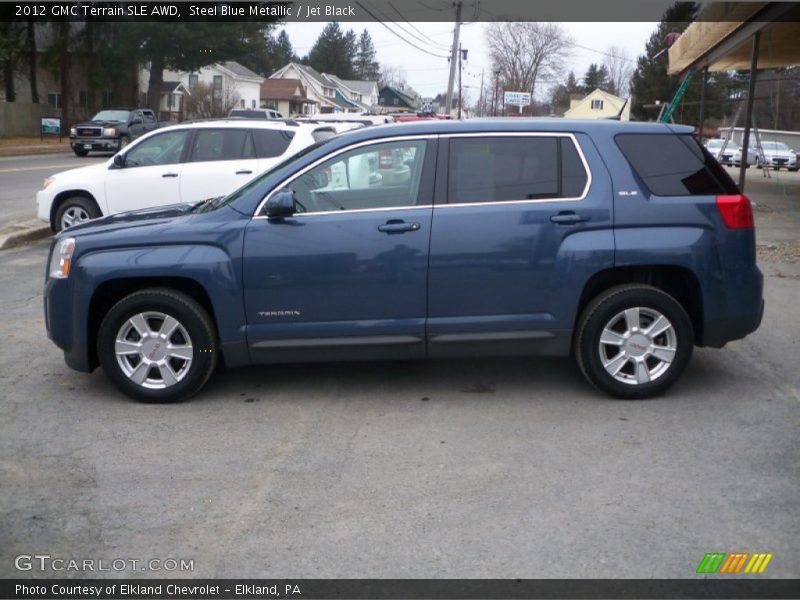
(64,326)
(44,205)
(96,144)
(782,163)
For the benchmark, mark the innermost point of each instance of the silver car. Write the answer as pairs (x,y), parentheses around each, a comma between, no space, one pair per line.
(778,155)
(732,155)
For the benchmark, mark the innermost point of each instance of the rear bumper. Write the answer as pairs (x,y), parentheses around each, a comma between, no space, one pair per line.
(719,332)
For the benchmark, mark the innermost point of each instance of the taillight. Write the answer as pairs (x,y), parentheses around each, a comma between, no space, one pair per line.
(736,211)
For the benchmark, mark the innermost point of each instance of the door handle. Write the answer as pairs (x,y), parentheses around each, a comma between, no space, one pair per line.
(244,172)
(569,218)
(169,175)
(397,226)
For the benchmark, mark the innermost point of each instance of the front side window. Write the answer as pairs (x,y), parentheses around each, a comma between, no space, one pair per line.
(221,144)
(162,149)
(497,169)
(376,176)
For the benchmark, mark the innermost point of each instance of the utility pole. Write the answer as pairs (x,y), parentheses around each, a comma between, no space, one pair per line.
(460,55)
(455,49)
(480,102)
(496,97)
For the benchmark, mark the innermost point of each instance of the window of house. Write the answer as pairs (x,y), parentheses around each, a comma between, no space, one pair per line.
(170,100)
(492,169)
(193,80)
(597,105)
(241,103)
(395,101)
(54,99)
(217,82)
(252,103)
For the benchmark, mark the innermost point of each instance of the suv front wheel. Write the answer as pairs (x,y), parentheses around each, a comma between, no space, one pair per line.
(633,341)
(157,345)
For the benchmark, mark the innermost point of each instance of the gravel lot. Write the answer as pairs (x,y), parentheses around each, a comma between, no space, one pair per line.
(473,468)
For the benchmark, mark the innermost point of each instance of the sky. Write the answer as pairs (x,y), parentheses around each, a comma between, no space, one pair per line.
(428,74)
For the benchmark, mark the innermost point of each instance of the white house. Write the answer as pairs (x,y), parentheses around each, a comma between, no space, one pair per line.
(330,93)
(229,77)
(599,105)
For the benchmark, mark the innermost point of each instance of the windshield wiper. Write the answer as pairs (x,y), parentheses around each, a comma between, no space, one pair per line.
(206,205)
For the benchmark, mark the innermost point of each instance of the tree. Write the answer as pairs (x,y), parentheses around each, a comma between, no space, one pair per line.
(11,45)
(596,77)
(30,48)
(562,94)
(334,51)
(650,82)
(366,67)
(284,52)
(525,53)
(392,75)
(620,69)
(207,103)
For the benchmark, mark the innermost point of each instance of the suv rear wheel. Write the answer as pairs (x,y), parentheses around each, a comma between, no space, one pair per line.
(157,345)
(633,341)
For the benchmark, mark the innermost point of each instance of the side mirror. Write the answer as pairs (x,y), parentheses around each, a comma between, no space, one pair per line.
(119,160)
(281,204)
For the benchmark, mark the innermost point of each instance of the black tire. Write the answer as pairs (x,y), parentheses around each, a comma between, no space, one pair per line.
(605,310)
(81,207)
(80,152)
(191,317)
(124,140)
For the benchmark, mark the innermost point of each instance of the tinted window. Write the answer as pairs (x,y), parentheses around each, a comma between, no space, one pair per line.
(674,165)
(271,142)
(490,169)
(149,117)
(162,149)
(219,144)
(376,176)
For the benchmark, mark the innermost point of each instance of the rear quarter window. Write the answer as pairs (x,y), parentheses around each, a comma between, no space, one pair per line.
(271,142)
(674,165)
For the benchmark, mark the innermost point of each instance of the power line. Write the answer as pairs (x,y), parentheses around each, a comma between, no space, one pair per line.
(385,18)
(432,41)
(366,10)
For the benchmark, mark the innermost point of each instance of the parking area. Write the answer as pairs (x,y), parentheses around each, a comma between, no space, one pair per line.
(471,468)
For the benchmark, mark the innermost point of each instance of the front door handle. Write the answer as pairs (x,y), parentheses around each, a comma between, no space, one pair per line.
(244,172)
(397,226)
(169,175)
(569,218)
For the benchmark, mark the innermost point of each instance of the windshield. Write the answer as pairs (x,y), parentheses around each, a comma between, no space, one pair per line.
(116,116)
(247,188)
(774,146)
(714,144)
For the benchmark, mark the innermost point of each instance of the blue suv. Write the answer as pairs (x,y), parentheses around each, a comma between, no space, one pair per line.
(625,244)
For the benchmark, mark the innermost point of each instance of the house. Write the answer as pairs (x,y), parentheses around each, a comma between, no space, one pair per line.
(234,84)
(398,100)
(599,105)
(173,101)
(287,96)
(331,94)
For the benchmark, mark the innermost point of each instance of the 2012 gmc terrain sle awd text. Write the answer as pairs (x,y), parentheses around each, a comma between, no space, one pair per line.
(625,244)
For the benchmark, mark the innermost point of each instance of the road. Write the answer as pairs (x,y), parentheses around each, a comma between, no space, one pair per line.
(22,177)
(472,468)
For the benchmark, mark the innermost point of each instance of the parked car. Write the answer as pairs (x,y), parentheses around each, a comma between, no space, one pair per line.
(184,163)
(778,156)
(623,243)
(255,113)
(111,130)
(732,155)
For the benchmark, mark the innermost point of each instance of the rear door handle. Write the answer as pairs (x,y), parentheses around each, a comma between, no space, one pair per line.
(569,218)
(244,172)
(398,226)
(169,175)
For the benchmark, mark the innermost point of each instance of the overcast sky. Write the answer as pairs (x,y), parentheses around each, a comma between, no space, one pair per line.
(428,74)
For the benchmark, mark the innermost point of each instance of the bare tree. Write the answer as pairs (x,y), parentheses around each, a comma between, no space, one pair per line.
(525,53)
(620,70)
(392,75)
(208,102)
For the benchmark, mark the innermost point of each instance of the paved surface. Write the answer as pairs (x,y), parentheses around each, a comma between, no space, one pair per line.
(490,468)
(22,177)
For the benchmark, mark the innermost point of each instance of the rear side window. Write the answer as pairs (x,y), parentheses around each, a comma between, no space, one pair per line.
(493,169)
(221,144)
(271,142)
(675,165)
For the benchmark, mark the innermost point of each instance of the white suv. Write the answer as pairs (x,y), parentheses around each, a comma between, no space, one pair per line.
(184,163)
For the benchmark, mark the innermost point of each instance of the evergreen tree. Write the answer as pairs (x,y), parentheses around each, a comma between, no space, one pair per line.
(595,77)
(366,67)
(334,52)
(561,94)
(284,52)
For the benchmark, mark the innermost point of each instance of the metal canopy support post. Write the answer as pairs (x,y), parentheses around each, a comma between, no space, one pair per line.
(702,105)
(748,115)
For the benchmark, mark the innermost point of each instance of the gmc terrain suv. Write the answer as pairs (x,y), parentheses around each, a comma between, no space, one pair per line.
(625,244)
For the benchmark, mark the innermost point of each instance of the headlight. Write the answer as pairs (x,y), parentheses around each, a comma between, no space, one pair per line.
(109,132)
(61,260)
(73,131)
(48,182)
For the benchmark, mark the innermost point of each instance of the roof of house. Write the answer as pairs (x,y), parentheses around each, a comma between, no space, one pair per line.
(281,89)
(360,87)
(170,87)
(410,100)
(615,102)
(237,69)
